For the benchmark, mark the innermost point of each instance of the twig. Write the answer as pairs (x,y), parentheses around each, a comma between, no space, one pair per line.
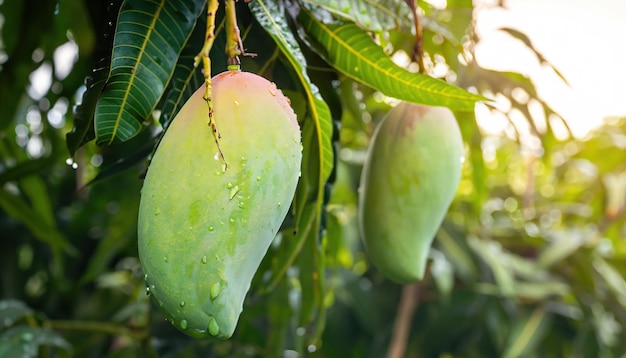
(417,55)
(402,326)
(114,329)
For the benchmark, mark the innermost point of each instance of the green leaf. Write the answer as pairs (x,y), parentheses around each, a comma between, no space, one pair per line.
(23,169)
(186,78)
(83,130)
(613,278)
(368,14)
(491,252)
(13,310)
(527,333)
(353,52)
(277,28)
(563,245)
(18,209)
(317,149)
(24,341)
(148,40)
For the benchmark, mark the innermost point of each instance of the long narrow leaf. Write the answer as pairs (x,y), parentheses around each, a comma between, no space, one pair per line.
(148,40)
(527,333)
(371,15)
(353,52)
(277,27)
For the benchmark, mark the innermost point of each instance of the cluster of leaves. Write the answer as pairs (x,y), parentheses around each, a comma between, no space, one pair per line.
(529,260)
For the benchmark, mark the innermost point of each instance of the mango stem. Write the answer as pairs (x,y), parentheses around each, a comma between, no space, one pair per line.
(203,57)
(234,44)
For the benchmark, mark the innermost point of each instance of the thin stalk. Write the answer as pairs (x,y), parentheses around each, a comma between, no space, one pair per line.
(203,57)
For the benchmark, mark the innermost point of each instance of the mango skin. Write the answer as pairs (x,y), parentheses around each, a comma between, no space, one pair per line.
(410,176)
(203,231)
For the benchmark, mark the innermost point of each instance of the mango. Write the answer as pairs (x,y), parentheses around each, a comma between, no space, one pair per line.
(203,230)
(409,179)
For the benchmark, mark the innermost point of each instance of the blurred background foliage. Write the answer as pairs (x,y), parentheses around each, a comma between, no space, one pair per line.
(530,260)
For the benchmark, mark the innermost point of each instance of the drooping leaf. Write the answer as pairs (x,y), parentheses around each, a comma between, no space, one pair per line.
(277,27)
(526,40)
(148,40)
(368,14)
(317,166)
(83,130)
(352,52)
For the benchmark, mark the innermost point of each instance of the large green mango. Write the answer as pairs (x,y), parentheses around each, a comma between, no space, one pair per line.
(409,179)
(203,230)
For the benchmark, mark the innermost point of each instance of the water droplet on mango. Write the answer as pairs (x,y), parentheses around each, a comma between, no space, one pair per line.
(214,328)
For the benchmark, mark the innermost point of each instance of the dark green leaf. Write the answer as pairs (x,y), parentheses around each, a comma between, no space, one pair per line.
(15,207)
(83,131)
(24,341)
(23,169)
(186,78)
(13,310)
(353,52)
(148,40)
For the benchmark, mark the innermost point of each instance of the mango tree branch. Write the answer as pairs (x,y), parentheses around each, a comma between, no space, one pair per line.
(206,71)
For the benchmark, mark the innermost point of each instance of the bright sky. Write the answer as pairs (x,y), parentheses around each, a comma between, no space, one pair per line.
(585,40)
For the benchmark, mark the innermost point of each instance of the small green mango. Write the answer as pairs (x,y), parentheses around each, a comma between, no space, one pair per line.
(410,176)
(203,230)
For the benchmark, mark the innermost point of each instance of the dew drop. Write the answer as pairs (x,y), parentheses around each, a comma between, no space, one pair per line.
(74,165)
(145,277)
(216,156)
(232,220)
(229,185)
(182,303)
(183,324)
(148,293)
(165,259)
(214,328)
(236,103)
(241,204)
(272,92)
(211,228)
(244,158)
(279,204)
(157,212)
(203,259)
(215,291)
(258,178)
